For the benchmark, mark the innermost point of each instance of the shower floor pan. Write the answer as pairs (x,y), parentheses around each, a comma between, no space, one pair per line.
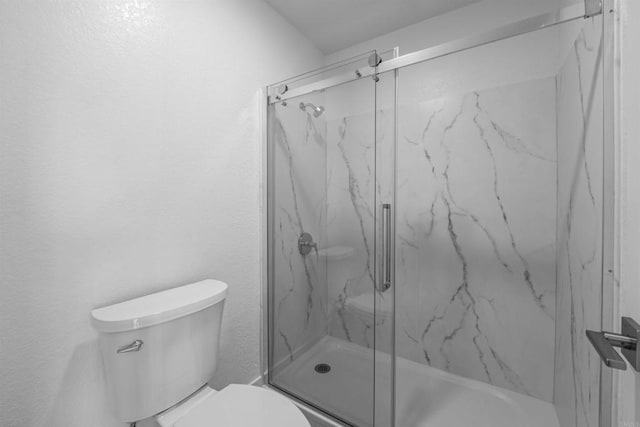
(426,397)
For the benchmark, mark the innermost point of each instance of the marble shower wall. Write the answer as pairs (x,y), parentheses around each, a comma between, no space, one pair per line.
(475,262)
(351,220)
(325,185)
(299,200)
(475,256)
(359,149)
(476,231)
(580,150)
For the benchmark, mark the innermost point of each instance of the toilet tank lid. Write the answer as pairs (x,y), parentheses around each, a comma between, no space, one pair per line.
(159,307)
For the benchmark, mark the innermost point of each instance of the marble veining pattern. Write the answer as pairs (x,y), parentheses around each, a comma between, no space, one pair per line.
(476,243)
(351,221)
(475,256)
(579,97)
(298,199)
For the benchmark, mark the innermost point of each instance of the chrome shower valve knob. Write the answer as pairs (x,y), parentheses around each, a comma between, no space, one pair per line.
(306,243)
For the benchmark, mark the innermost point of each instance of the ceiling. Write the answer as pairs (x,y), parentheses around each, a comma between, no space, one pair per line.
(337,24)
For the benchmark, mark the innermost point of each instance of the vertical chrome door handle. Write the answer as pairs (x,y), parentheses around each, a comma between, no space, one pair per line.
(386,248)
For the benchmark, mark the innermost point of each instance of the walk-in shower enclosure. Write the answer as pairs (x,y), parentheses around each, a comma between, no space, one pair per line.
(437,230)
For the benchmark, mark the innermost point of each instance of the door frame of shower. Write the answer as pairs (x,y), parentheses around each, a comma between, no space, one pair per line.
(281,92)
(263,379)
(308,409)
(611,183)
(609,298)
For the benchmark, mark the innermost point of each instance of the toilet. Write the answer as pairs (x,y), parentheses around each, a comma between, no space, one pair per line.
(159,351)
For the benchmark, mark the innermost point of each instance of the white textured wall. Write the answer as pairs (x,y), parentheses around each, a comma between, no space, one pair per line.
(129,163)
(629,381)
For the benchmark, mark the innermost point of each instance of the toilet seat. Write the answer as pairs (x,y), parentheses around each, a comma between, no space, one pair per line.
(243,406)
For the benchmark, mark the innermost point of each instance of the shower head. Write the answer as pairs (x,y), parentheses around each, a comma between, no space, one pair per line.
(317,111)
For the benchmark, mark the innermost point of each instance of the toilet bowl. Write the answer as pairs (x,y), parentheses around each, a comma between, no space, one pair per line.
(159,351)
(234,406)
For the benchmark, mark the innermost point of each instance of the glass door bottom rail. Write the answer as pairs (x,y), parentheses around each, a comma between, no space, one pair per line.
(426,397)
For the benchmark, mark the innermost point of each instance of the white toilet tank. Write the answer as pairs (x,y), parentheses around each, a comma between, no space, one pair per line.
(160,348)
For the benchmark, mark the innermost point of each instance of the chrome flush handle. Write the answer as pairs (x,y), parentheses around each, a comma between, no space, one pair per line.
(134,346)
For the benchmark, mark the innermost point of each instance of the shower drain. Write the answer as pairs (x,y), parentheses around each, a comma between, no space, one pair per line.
(322,368)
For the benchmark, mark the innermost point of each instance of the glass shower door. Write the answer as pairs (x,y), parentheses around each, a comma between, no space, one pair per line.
(327,315)
(468,189)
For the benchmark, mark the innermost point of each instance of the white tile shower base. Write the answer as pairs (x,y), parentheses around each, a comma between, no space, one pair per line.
(426,397)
